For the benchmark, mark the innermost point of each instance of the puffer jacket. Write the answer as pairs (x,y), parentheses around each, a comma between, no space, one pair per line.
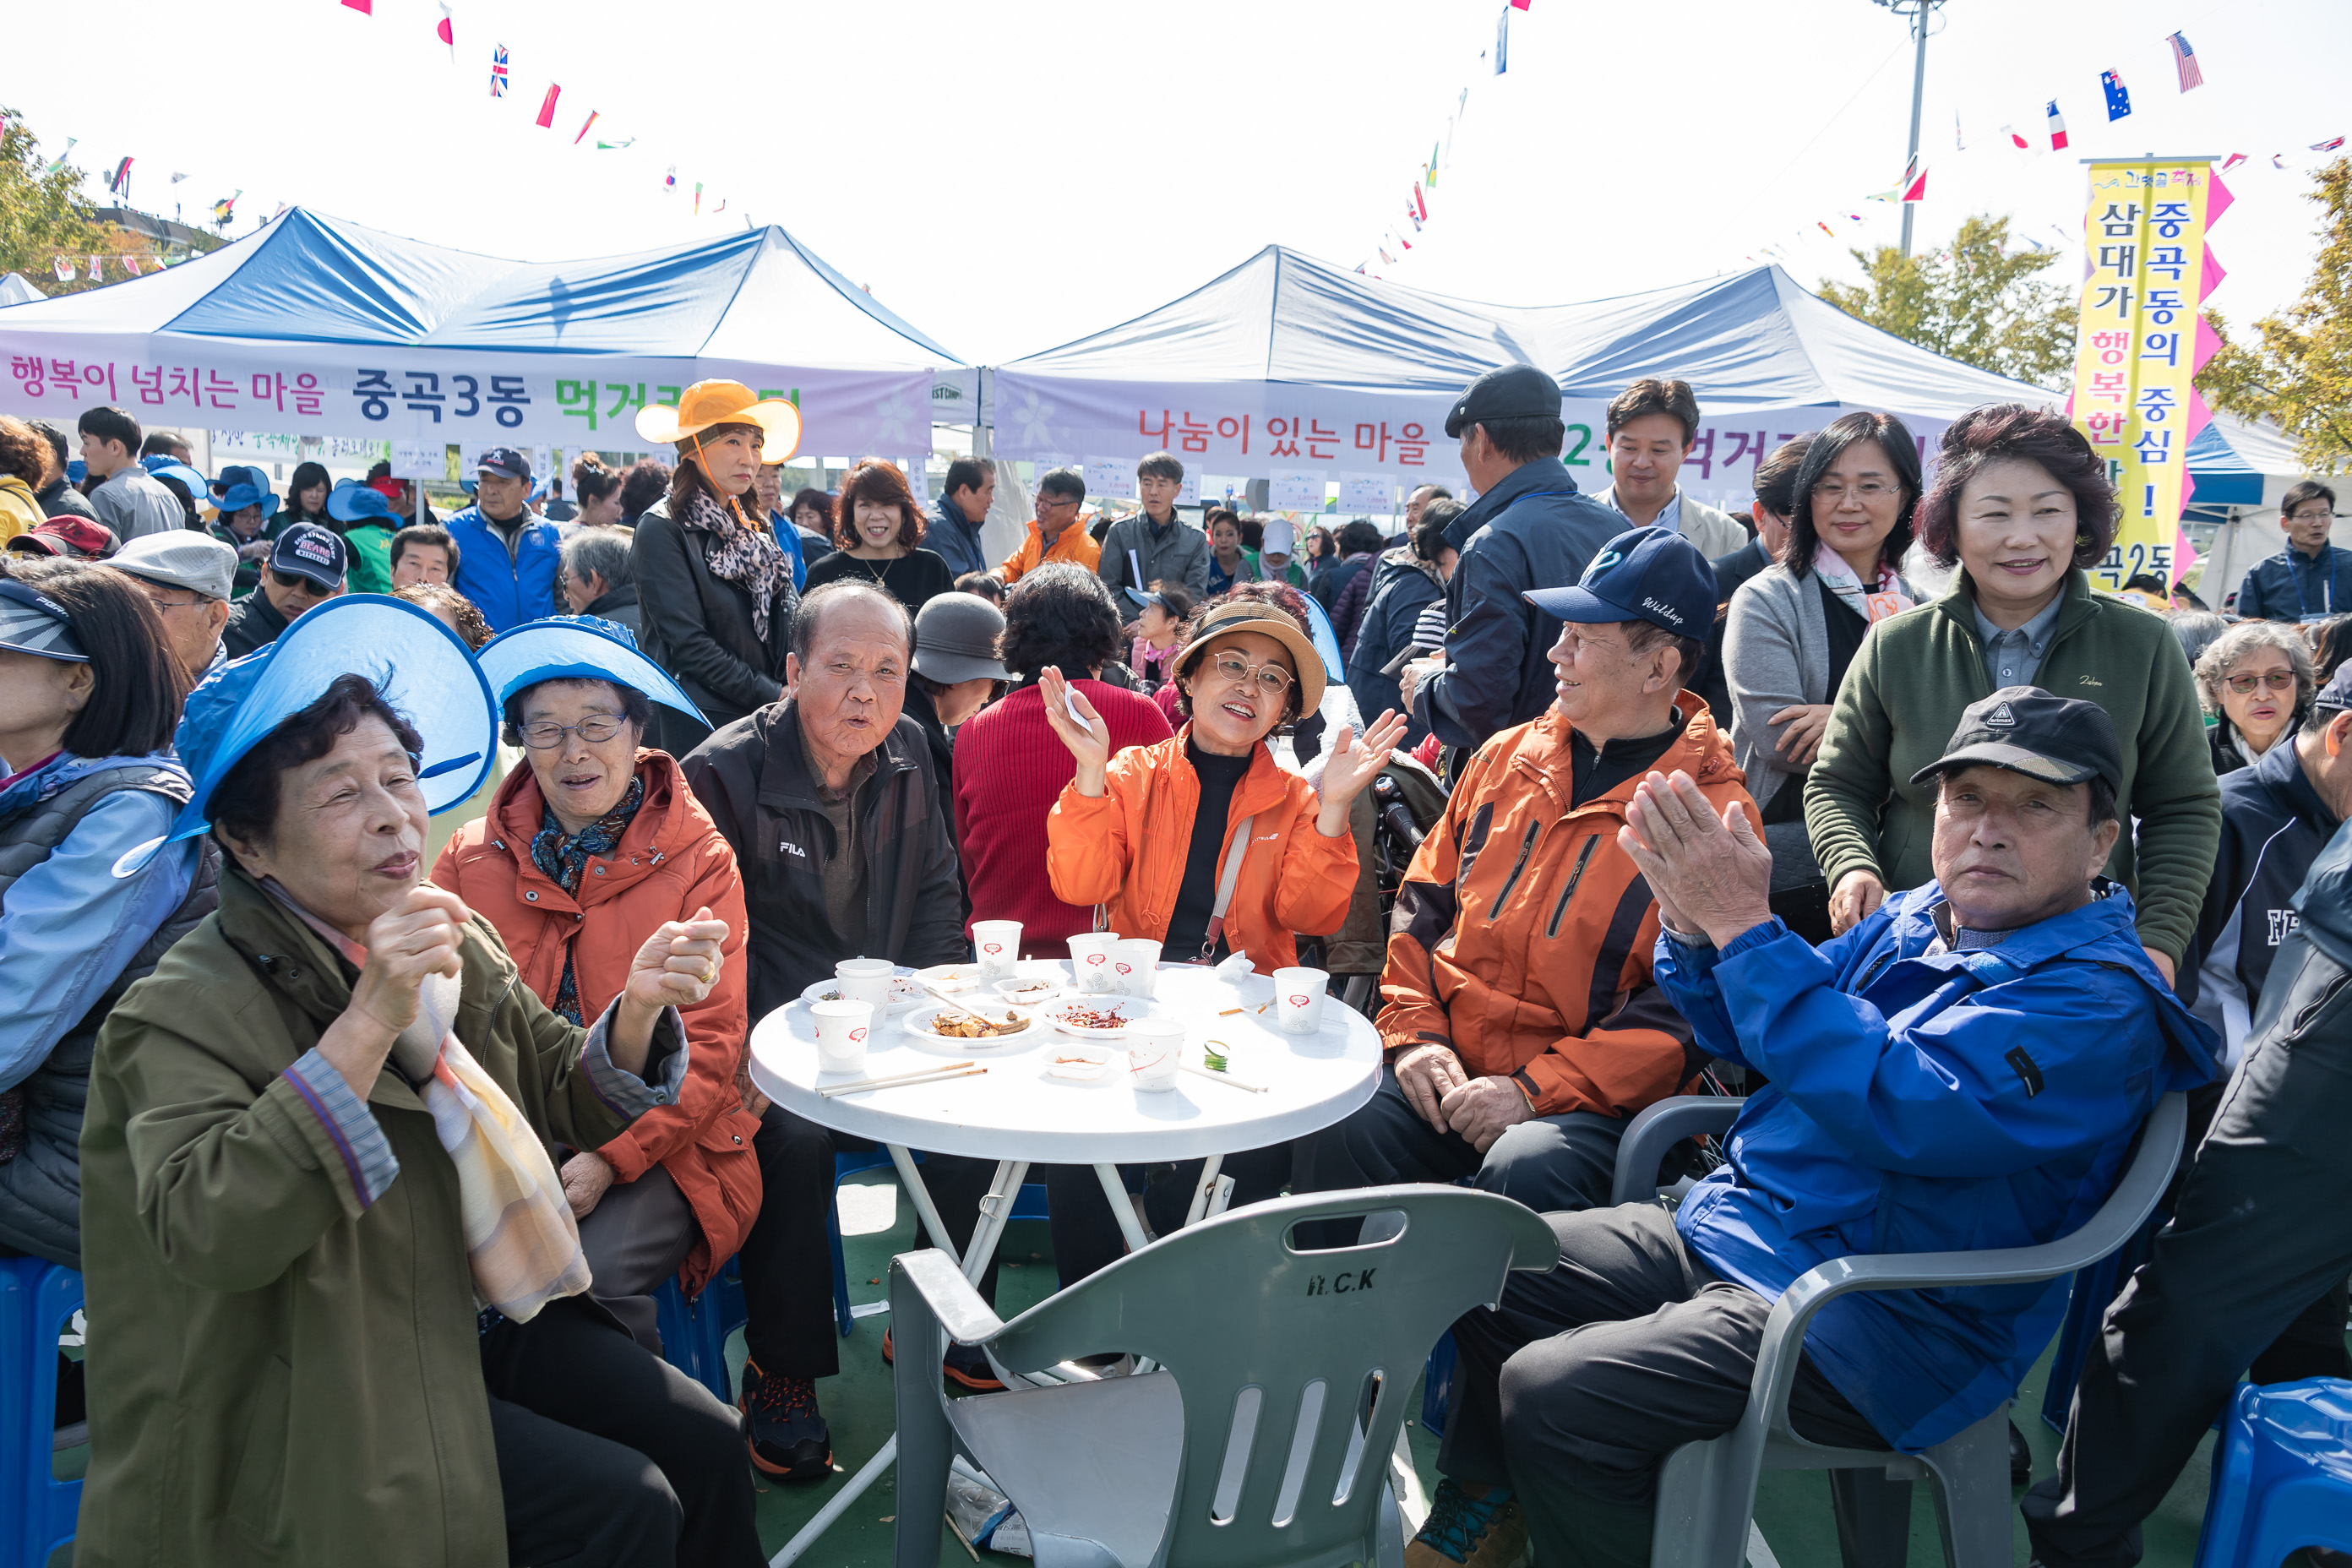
(669,863)
(20,511)
(1523,935)
(1125,848)
(1925,1100)
(73,938)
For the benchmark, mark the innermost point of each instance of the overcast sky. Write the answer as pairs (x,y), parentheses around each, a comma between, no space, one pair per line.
(1012,175)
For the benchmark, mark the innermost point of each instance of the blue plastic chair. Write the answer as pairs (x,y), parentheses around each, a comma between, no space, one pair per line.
(37,1510)
(694,1333)
(1029,1205)
(2281,1475)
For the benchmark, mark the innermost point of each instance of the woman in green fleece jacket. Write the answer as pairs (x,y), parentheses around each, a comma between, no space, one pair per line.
(2021,505)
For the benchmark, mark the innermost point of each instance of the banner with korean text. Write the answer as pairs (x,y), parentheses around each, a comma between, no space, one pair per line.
(474,399)
(2137,349)
(1365,439)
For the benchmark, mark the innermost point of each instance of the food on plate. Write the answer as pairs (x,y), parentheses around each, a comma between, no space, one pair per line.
(1016,989)
(833,996)
(1081,1017)
(964,1026)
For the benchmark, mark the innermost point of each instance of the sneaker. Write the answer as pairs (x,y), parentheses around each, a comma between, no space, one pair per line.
(789,1438)
(1475,1533)
(966,1366)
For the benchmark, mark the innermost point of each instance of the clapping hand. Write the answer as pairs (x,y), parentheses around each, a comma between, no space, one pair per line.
(1708,875)
(678,963)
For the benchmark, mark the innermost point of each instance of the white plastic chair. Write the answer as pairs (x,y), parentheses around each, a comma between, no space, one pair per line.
(1274,1353)
(1706,1491)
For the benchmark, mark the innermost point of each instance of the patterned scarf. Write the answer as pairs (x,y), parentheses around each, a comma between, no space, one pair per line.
(1877,603)
(563,859)
(521,1242)
(746,556)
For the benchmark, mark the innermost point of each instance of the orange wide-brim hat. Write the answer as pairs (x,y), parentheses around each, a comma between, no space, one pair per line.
(712,403)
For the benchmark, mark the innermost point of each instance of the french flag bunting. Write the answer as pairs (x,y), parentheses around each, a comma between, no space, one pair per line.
(2057,128)
(2184,59)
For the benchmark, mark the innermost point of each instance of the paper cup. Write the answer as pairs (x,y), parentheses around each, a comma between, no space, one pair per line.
(1299,999)
(997,946)
(1137,959)
(1090,961)
(1152,1045)
(865,980)
(840,1030)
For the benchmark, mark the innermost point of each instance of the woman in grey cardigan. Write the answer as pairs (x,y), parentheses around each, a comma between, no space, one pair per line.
(1793,629)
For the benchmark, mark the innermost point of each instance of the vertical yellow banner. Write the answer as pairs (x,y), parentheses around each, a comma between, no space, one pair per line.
(2134,348)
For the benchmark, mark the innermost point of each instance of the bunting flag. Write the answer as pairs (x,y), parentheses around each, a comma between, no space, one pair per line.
(1433,166)
(176,178)
(1521,4)
(226,208)
(1917,189)
(118,182)
(2057,128)
(583,129)
(63,268)
(129,264)
(2233,162)
(61,157)
(1387,257)
(615,146)
(1420,207)
(721,208)
(1503,42)
(2328,146)
(1825,229)
(697,199)
(2278,161)
(2118,101)
(547,108)
(1957,145)
(2015,140)
(498,70)
(97,268)
(669,179)
(447,32)
(364,8)
(2184,59)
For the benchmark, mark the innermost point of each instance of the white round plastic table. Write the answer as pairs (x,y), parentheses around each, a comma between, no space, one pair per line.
(1017,1114)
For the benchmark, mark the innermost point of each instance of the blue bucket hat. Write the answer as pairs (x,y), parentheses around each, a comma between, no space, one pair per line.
(240,486)
(425,672)
(575,648)
(351,502)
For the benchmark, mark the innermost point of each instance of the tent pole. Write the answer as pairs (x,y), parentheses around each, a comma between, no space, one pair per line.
(1919,11)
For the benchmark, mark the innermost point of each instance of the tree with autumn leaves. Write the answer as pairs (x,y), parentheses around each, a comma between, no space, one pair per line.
(2296,368)
(43,215)
(1975,301)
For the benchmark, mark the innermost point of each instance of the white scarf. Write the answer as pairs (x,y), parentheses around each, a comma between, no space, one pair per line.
(1875,603)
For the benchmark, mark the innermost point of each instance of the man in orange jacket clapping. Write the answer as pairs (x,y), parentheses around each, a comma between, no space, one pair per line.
(1522,1026)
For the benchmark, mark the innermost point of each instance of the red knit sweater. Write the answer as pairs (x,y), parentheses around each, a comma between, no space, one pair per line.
(1010,769)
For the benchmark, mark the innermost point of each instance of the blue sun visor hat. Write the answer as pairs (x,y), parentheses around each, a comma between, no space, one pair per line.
(575,648)
(31,622)
(240,486)
(351,502)
(1651,575)
(425,672)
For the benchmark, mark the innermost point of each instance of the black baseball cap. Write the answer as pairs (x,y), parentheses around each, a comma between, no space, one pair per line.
(2027,730)
(1513,391)
(1651,575)
(504,461)
(306,550)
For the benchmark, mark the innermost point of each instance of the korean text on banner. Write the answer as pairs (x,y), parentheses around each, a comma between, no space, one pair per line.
(2135,347)
(1290,490)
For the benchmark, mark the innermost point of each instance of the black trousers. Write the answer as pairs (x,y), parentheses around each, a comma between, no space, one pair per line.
(2263,1230)
(786,1261)
(1580,1381)
(608,1457)
(1086,1237)
(1547,1162)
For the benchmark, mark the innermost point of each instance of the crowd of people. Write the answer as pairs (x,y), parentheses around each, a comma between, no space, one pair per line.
(388,899)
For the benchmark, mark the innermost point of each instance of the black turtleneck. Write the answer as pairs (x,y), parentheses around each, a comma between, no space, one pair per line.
(1596,771)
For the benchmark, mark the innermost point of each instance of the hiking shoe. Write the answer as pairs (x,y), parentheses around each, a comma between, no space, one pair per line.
(789,1438)
(966,1366)
(1475,1533)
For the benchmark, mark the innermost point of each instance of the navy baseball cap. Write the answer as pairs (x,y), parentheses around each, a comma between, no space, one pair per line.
(310,552)
(1651,575)
(506,462)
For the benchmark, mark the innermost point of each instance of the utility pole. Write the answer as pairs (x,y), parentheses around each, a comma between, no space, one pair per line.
(1919,12)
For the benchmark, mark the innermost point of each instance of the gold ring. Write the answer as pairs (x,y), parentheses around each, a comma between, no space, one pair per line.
(709,972)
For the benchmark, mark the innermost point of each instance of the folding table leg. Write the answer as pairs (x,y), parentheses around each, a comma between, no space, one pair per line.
(1122,1208)
(1204,1189)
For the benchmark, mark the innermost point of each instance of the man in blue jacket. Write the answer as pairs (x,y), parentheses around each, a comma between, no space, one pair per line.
(956,523)
(2310,579)
(508,557)
(1964,1070)
(1527,529)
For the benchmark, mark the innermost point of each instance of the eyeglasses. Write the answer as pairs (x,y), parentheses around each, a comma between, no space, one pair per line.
(1830,492)
(2310,517)
(173,604)
(1055,503)
(2268,680)
(596,729)
(1270,678)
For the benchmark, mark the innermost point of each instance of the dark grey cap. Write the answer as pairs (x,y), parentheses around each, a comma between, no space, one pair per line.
(955,639)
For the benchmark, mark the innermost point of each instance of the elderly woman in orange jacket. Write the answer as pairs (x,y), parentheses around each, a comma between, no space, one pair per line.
(1148,834)
(581,854)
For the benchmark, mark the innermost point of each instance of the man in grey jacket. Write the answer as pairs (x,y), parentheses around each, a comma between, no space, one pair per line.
(128,500)
(1157,546)
(1651,428)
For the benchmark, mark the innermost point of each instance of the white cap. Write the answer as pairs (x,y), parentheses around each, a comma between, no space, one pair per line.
(180,558)
(1279,537)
